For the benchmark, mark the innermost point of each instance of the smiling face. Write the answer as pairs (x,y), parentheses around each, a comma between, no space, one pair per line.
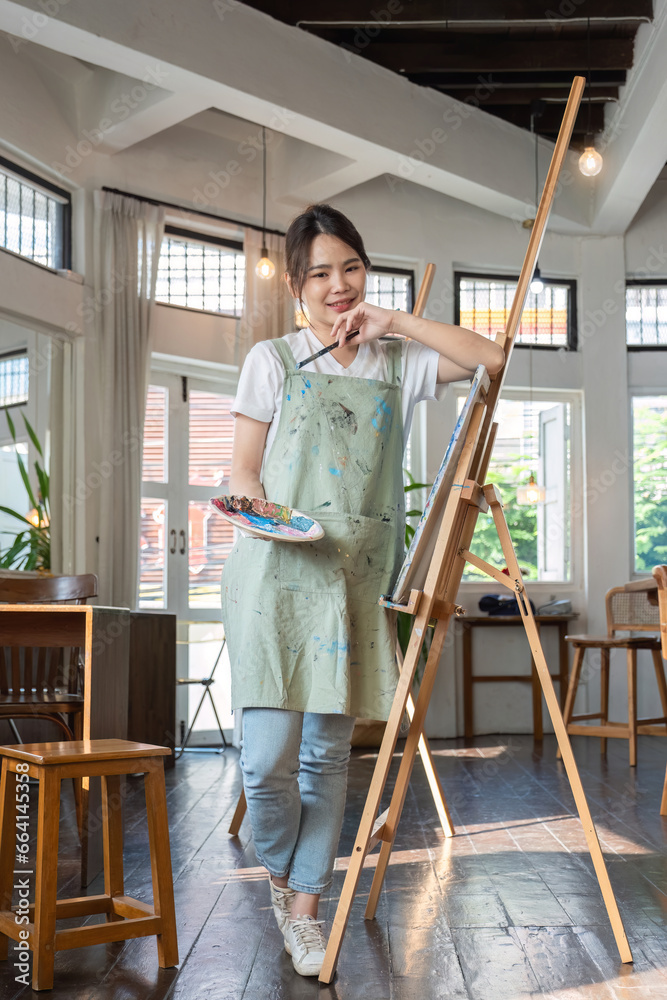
(335,281)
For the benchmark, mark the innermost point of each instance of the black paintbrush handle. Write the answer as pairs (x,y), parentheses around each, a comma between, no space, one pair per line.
(326,350)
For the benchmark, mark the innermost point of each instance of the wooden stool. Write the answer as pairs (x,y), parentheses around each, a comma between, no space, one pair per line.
(625,730)
(126,918)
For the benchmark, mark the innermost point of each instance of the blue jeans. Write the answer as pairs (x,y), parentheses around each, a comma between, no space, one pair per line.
(295,778)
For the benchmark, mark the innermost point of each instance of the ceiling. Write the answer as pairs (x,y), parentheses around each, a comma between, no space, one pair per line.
(499,56)
(209,75)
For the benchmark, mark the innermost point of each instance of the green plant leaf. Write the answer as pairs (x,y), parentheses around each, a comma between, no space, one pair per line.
(10,423)
(10,557)
(26,480)
(33,436)
(416,486)
(43,481)
(21,517)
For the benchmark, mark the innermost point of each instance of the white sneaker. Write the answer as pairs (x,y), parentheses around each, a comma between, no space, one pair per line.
(304,941)
(281,901)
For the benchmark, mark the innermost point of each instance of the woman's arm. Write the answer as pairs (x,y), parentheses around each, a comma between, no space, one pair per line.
(247,454)
(460,350)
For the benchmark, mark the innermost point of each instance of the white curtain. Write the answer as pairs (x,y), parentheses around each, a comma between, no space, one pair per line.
(128,234)
(268,310)
(67,456)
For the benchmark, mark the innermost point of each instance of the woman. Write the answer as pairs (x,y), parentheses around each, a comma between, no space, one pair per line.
(310,648)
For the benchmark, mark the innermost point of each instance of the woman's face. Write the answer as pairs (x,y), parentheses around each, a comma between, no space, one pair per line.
(335,282)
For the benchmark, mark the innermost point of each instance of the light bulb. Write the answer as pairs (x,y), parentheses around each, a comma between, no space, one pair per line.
(590,162)
(265,268)
(537,285)
(530,492)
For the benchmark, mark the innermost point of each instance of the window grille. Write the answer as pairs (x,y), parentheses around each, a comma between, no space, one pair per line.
(33,223)
(14,379)
(199,274)
(483,303)
(646,315)
(391,289)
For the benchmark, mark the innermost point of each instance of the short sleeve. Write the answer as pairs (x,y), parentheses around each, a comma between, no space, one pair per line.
(260,384)
(420,371)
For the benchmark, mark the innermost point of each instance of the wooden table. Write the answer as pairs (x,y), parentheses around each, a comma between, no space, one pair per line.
(129,681)
(469,622)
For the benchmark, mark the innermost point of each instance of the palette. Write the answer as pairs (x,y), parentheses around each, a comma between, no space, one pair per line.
(264,519)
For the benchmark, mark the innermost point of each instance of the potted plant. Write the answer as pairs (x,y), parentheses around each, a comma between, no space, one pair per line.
(30,548)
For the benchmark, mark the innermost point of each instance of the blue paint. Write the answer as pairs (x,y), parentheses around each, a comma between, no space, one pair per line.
(289,397)
(335,472)
(315,449)
(307,384)
(331,646)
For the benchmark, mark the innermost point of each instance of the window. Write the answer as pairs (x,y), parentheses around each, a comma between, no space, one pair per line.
(14,378)
(534,436)
(201,274)
(649,434)
(390,288)
(483,303)
(646,315)
(34,217)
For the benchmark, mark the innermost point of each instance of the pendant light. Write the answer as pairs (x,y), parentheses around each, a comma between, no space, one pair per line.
(265,267)
(590,161)
(537,284)
(530,493)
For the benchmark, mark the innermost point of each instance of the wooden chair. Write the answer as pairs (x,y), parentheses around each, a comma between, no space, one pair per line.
(660,577)
(630,609)
(43,683)
(125,917)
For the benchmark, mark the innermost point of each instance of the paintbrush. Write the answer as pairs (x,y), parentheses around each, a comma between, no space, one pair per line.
(326,350)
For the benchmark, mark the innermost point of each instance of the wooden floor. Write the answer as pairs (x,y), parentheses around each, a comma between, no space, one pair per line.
(508,909)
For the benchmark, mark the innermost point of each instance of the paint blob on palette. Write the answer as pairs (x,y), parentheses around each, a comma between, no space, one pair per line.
(264,519)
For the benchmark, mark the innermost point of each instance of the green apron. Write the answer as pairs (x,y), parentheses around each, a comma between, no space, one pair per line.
(303,625)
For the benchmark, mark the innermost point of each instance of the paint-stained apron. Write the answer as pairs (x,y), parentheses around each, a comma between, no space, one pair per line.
(303,625)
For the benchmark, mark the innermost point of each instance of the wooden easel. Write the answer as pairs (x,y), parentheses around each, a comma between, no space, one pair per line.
(424,749)
(436,601)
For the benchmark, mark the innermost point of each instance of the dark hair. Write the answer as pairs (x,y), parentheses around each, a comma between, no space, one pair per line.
(317,220)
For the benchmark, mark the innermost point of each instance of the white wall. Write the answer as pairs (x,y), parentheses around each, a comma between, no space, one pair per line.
(413,225)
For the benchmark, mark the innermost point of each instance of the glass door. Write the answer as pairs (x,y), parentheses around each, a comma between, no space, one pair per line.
(184,543)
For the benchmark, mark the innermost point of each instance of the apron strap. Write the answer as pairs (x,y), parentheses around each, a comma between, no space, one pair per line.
(395,362)
(284,353)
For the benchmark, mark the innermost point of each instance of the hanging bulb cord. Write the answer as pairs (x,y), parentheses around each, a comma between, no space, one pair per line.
(264,186)
(588,77)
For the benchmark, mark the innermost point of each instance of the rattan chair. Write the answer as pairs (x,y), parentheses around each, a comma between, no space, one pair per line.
(630,609)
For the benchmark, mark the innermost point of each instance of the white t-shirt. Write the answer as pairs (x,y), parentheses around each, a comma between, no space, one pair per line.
(260,390)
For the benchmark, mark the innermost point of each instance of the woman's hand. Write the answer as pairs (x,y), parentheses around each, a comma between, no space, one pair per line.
(371,322)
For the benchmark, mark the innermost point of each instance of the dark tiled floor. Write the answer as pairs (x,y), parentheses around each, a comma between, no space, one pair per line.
(508,909)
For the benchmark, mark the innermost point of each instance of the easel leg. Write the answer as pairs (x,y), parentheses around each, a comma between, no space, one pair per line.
(579,654)
(412,742)
(563,739)
(365,839)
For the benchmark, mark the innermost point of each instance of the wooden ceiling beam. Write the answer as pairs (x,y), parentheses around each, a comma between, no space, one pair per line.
(521,95)
(483,54)
(549,122)
(353,12)
(453,81)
